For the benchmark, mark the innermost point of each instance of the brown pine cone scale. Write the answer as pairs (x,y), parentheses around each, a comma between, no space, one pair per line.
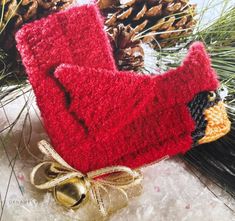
(157,21)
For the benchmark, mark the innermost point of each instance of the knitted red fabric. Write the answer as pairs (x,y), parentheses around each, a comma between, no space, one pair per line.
(130,119)
(109,117)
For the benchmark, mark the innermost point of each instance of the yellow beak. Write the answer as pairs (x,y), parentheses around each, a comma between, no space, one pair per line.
(218,123)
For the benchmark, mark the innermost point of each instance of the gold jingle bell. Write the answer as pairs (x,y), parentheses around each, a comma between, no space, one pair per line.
(71,193)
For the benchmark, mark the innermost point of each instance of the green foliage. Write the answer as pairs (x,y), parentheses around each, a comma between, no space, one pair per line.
(220,40)
(221,32)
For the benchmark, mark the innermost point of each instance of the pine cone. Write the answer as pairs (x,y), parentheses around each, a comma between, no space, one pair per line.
(161,22)
(128,53)
(18,12)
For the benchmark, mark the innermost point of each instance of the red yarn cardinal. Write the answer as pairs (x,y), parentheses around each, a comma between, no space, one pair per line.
(97,116)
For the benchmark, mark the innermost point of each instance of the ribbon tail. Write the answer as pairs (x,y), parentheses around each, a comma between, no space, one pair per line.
(123,193)
(123,180)
(97,197)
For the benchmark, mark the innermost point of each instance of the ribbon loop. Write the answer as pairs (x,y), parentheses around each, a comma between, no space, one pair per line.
(70,186)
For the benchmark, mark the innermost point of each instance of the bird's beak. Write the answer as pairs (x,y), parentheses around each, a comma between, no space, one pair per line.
(218,123)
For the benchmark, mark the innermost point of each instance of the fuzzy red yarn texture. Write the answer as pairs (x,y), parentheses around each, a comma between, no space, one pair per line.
(97,116)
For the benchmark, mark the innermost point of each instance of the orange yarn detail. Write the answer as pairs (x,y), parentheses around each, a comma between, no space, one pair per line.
(218,123)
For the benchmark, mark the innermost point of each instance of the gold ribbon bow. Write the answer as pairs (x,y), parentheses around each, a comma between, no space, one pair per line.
(71,187)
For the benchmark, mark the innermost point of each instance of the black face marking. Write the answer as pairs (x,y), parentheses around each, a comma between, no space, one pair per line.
(197,106)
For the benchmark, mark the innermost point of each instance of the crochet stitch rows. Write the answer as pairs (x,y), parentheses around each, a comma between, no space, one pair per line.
(96,116)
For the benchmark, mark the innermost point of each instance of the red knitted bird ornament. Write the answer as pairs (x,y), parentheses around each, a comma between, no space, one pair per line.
(97,116)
